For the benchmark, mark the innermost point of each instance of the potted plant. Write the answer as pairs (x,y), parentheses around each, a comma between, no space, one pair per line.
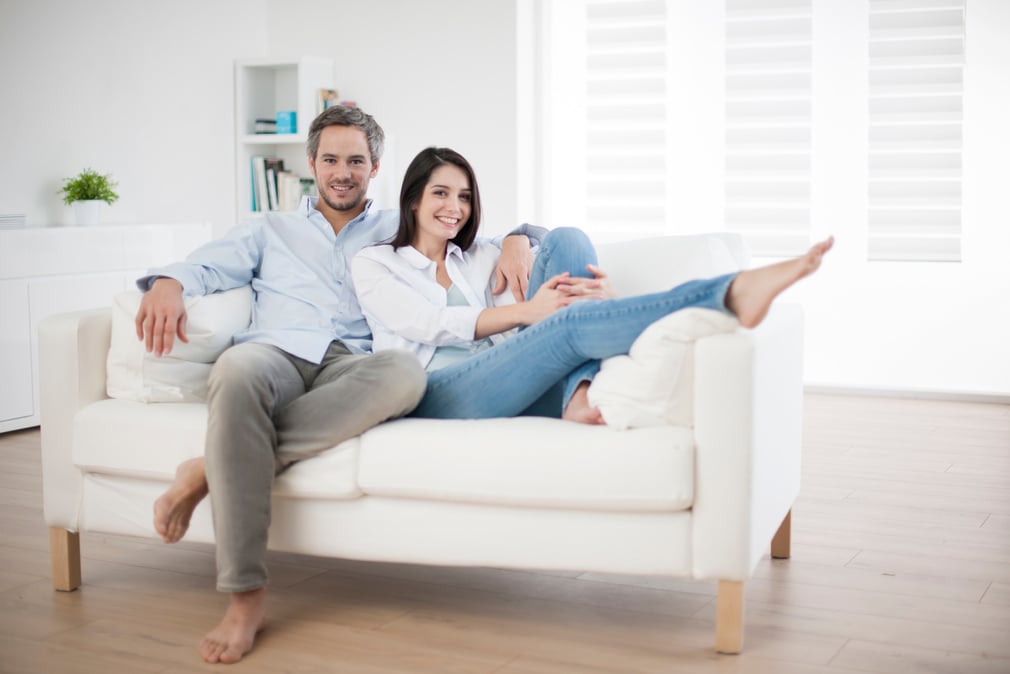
(85,192)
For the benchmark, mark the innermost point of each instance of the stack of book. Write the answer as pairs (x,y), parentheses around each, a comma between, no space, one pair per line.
(275,189)
(265,126)
(12,220)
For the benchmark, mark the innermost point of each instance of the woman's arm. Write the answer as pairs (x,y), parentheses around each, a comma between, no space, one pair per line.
(554,294)
(397,305)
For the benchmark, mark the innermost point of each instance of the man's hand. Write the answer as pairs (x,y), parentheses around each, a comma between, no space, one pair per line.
(162,316)
(514,266)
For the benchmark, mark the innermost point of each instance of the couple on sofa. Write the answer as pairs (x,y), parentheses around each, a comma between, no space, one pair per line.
(335,280)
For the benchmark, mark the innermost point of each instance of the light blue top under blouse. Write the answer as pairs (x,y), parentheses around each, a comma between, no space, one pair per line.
(447,355)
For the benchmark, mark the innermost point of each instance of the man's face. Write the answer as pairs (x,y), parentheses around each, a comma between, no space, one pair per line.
(343,167)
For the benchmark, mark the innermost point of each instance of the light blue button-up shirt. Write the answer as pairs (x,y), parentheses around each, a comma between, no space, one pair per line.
(300,275)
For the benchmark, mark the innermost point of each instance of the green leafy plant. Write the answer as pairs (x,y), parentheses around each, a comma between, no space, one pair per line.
(89,185)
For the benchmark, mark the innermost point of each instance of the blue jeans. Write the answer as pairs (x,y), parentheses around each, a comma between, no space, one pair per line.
(519,375)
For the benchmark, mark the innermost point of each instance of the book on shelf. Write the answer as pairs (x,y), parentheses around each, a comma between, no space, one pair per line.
(271,190)
(265,126)
(326,98)
(264,174)
(288,190)
(259,183)
(273,166)
(276,189)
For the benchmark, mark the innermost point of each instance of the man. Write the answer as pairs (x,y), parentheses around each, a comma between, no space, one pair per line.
(299,380)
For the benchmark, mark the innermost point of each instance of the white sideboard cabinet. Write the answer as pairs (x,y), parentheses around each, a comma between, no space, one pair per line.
(49,270)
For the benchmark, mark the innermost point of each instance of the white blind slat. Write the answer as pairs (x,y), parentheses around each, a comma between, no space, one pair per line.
(626,115)
(768,113)
(916,56)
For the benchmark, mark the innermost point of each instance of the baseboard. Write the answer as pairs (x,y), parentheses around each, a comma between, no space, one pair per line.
(917,394)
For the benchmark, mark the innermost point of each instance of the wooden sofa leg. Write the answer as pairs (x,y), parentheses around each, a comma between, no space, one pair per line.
(65,557)
(729,617)
(781,541)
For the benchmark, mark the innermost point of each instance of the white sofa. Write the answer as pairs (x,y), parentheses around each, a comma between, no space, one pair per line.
(701,500)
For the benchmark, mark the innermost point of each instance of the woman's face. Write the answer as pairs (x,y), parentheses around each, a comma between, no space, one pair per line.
(444,206)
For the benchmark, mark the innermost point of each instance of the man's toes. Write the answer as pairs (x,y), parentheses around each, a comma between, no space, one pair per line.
(232,654)
(211,650)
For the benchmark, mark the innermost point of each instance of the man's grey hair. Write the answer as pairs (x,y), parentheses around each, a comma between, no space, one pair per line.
(341,115)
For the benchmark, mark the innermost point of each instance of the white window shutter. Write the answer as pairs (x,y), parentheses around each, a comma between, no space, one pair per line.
(626,116)
(916,62)
(768,123)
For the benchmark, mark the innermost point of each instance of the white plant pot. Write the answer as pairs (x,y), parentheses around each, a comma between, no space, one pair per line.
(87,212)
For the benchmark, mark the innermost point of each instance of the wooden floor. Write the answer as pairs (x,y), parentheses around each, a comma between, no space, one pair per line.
(901,563)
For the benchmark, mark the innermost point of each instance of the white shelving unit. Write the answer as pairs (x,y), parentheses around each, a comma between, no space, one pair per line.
(263,87)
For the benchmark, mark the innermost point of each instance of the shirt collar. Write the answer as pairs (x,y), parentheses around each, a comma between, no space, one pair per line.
(420,261)
(308,208)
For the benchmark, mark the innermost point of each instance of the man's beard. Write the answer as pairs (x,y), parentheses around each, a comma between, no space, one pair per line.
(346,206)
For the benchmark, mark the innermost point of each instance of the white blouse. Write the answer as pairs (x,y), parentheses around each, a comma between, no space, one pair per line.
(407,309)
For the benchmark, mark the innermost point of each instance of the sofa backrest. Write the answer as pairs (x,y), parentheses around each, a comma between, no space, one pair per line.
(659,263)
(634,267)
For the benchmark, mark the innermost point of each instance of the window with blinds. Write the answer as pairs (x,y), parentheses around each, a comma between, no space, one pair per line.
(768,123)
(916,61)
(626,116)
(677,116)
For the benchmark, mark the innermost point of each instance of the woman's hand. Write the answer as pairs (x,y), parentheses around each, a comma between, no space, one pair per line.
(596,288)
(604,281)
(555,293)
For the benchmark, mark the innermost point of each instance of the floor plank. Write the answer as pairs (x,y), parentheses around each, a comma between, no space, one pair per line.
(901,562)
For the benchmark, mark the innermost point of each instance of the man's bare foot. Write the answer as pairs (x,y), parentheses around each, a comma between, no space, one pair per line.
(235,634)
(173,509)
(579,410)
(752,291)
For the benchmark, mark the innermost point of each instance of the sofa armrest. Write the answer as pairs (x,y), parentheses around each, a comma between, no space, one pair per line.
(748,431)
(73,348)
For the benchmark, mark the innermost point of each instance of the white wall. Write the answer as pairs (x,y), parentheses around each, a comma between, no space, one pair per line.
(930,328)
(437,72)
(141,90)
(144,91)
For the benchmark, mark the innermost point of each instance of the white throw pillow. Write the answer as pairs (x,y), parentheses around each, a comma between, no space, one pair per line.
(654,384)
(134,374)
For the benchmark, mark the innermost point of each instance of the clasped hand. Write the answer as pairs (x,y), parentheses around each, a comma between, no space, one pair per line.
(561,290)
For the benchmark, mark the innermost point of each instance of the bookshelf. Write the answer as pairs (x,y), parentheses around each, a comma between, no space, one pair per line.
(263,87)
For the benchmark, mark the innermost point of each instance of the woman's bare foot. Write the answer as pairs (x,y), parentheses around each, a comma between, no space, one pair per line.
(752,291)
(579,410)
(234,635)
(173,509)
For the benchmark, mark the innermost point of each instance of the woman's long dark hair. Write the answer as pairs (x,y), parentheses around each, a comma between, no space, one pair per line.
(414,181)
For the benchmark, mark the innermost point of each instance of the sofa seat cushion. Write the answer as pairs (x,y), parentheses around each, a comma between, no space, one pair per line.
(530,461)
(124,437)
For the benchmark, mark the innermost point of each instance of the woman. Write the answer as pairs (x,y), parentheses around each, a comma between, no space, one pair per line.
(426,292)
